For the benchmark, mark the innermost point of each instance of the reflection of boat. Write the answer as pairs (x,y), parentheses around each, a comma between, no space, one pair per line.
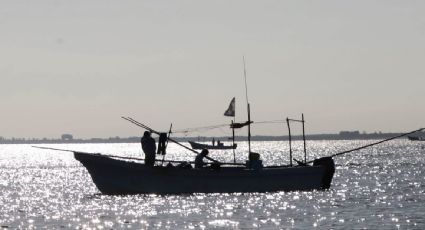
(416,138)
(113,176)
(196,145)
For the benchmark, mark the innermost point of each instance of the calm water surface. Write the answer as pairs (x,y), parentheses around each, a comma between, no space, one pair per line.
(380,187)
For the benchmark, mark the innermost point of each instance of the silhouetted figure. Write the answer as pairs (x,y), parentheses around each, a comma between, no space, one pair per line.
(149,148)
(199,160)
(213,141)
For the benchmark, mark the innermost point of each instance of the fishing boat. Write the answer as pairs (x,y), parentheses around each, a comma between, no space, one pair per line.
(119,177)
(416,138)
(113,175)
(220,145)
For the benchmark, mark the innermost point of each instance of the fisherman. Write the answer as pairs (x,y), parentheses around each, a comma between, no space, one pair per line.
(149,148)
(199,160)
(213,141)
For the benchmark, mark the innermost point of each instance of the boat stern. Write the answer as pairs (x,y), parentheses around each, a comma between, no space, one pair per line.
(329,165)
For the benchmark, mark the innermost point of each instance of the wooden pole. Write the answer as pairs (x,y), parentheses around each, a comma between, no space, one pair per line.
(233,142)
(249,130)
(305,148)
(290,144)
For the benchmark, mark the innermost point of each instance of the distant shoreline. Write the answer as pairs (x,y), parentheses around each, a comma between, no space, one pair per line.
(341,136)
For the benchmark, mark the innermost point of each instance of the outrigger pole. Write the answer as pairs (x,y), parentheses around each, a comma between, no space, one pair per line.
(106,155)
(376,143)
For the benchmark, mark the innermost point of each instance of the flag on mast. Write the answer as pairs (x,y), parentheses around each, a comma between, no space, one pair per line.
(230,112)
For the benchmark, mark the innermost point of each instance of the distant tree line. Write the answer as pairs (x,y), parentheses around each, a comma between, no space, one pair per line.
(68,138)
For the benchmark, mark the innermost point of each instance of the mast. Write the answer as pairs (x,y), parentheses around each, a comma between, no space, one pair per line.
(233,135)
(231,112)
(249,130)
(233,142)
(305,148)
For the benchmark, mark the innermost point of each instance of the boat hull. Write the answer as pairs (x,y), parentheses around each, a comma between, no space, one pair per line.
(203,146)
(112,176)
(413,138)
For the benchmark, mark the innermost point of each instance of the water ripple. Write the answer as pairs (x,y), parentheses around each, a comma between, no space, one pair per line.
(380,187)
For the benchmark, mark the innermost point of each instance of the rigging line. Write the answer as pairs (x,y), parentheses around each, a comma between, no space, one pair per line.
(199,128)
(194,129)
(271,122)
(376,143)
(223,131)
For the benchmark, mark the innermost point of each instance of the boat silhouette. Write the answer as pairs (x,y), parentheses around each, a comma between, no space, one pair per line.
(196,145)
(119,177)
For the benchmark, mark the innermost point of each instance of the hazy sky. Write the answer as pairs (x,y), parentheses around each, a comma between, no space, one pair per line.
(77,66)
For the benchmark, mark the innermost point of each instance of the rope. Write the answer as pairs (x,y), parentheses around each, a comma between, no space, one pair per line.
(211,127)
(195,129)
(376,143)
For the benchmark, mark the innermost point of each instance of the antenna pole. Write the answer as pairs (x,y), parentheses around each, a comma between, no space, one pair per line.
(244,74)
(248,109)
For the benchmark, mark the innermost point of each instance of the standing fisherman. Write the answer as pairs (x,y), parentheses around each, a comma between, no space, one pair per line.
(149,148)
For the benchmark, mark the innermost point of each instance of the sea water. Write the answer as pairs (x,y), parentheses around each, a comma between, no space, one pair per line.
(378,187)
